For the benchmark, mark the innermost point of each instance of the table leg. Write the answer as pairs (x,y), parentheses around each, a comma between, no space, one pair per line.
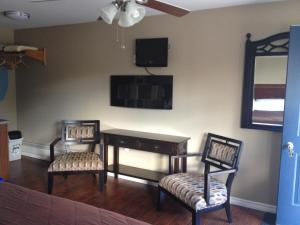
(176,166)
(183,165)
(105,161)
(184,160)
(170,165)
(116,161)
(173,167)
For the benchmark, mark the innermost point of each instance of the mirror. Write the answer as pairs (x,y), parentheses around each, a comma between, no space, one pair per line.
(264,82)
(269,90)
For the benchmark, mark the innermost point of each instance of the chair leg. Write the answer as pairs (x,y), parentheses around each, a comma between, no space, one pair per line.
(196,218)
(105,177)
(101,181)
(160,198)
(228,212)
(50,183)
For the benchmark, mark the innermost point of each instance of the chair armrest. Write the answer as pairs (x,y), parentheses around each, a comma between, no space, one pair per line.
(52,148)
(185,156)
(174,157)
(219,172)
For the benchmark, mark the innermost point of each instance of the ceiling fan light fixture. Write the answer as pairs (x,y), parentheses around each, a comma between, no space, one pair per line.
(17,15)
(131,14)
(142,1)
(109,12)
(124,20)
(135,11)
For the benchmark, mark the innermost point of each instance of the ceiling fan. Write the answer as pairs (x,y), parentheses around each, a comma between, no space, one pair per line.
(131,12)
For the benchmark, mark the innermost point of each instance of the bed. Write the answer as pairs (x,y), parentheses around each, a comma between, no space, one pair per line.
(22,206)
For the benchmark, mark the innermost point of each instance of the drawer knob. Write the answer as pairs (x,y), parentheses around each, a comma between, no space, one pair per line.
(122,142)
(156,147)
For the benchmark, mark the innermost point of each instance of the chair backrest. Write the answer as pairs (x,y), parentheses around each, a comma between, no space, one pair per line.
(80,131)
(221,152)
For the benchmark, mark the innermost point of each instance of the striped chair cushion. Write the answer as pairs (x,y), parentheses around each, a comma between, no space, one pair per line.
(76,161)
(189,188)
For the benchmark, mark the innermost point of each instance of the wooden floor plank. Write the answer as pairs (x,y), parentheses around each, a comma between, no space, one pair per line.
(121,196)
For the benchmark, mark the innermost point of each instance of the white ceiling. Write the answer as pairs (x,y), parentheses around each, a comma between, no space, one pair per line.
(80,11)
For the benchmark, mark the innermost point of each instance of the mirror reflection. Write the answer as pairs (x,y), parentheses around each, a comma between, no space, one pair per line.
(269,90)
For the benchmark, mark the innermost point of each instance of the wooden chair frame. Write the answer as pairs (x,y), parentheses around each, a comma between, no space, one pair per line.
(91,141)
(224,168)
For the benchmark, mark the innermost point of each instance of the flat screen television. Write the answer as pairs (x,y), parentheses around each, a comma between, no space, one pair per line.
(151,52)
(151,92)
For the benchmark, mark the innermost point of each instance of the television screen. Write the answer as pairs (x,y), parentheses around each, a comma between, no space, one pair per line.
(152,92)
(152,52)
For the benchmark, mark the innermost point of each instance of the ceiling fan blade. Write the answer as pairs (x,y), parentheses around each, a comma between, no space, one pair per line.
(164,7)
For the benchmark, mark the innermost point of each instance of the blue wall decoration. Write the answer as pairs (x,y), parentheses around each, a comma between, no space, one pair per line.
(3,82)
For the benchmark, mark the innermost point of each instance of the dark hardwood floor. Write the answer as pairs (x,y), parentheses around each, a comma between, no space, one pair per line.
(125,197)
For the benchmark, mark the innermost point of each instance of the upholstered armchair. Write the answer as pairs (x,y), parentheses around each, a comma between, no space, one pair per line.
(76,132)
(202,193)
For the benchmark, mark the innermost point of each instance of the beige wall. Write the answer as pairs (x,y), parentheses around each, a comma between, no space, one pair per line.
(206,59)
(8,105)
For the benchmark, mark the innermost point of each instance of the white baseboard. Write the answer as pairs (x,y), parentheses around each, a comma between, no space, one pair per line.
(253,205)
(40,151)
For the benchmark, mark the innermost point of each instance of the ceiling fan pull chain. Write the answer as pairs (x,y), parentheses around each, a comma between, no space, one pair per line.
(117,33)
(123,45)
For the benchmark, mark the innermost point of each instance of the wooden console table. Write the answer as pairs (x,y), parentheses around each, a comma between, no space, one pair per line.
(142,141)
(4,163)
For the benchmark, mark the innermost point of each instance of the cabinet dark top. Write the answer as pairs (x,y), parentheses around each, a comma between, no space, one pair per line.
(146,135)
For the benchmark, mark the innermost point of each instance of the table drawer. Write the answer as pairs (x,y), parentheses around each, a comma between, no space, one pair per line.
(158,147)
(143,144)
(125,142)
